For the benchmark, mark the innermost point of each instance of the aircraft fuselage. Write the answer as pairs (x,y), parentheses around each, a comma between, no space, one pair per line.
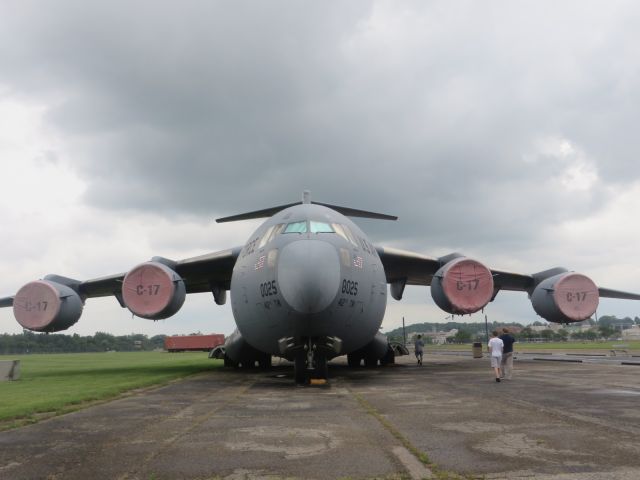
(308,273)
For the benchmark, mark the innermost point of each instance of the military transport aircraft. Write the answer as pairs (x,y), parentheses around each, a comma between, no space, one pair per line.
(308,286)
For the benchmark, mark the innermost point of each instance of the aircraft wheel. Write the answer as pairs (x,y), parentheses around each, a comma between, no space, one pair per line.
(389,358)
(353,360)
(230,363)
(265,362)
(300,370)
(322,369)
(370,362)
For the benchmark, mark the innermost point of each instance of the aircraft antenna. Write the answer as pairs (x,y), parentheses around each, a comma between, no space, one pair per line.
(306,197)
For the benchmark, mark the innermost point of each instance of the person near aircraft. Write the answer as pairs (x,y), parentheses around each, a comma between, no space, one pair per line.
(506,365)
(419,349)
(495,348)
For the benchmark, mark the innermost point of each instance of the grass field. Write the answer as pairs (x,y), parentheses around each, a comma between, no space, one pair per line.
(54,384)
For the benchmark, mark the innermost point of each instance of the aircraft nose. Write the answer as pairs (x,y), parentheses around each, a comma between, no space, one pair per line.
(309,275)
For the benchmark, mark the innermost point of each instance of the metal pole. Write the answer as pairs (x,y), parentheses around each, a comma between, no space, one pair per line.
(404,333)
(486,328)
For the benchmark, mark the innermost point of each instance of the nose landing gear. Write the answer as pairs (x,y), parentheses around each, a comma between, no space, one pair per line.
(310,357)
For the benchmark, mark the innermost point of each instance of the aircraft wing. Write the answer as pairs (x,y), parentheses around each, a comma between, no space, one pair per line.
(199,274)
(418,269)
(6,301)
(399,265)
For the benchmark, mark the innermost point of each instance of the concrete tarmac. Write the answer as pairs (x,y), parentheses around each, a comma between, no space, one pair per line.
(553,420)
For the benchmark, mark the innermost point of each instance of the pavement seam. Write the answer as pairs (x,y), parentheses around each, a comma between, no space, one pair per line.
(200,420)
(417,470)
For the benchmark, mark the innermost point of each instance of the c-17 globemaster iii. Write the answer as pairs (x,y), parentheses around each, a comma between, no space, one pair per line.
(307,286)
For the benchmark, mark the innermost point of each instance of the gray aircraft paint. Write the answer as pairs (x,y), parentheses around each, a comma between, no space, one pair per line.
(308,284)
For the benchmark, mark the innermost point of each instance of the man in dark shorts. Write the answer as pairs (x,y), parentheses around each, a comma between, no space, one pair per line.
(419,349)
(507,353)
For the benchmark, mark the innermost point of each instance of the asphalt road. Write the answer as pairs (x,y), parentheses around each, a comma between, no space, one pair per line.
(560,420)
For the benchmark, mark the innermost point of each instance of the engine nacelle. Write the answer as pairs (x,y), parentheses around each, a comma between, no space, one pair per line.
(46,306)
(565,298)
(462,286)
(153,290)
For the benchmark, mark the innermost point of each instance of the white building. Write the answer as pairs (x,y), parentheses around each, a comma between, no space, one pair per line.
(438,338)
(632,333)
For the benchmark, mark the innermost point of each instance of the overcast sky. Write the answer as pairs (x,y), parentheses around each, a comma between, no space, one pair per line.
(506,130)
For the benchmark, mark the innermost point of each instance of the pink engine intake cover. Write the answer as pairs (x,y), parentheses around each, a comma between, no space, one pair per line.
(148,289)
(467,284)
(576,296)
(36,305)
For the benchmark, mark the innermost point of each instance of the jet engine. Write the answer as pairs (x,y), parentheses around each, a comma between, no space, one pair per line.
(565,298)
(462,286)
(47,306)
(152,290)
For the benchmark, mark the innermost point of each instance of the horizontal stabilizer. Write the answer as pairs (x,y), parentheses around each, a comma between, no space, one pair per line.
(608,293)
(268,212)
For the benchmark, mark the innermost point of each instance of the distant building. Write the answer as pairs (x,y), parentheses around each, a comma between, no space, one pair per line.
(437,338)
(632,333)
(549,326)
(512,329)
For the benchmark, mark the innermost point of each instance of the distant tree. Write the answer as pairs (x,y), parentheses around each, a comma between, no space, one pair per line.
(526,334)
(547,334)
(561,335)
(462,336)
(606,331)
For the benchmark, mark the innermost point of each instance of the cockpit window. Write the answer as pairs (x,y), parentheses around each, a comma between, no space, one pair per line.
(320,227)
(296,227)
(345,233)
(266,237)
(269,235)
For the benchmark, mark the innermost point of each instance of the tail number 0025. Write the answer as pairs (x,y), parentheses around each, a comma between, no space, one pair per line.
(268,288)
(349,287)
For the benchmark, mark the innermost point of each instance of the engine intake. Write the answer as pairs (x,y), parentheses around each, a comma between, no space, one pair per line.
(462,286)
(565,298)
(153,290)
(46,306)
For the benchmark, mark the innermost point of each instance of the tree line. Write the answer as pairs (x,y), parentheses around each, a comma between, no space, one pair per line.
(30,342)
(606,327)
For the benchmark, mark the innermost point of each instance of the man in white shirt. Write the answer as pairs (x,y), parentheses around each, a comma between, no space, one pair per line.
(495,347)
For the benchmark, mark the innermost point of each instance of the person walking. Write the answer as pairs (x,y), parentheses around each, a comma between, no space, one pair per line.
(495,348)
(419,349)
(506,364)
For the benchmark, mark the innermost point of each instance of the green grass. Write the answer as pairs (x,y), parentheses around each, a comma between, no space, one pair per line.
(59,383)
